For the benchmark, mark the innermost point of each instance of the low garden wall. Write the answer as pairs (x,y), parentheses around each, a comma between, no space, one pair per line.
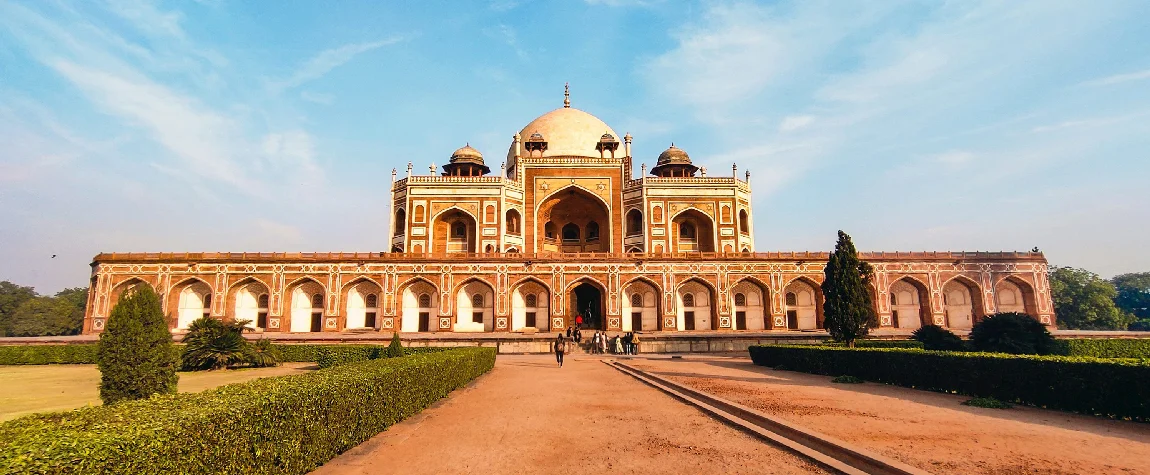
(1109,387)
(280,425)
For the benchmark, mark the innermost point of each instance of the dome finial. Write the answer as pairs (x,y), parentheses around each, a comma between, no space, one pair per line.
(566,95)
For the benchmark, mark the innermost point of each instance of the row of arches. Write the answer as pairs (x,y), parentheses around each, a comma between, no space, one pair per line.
(642,304)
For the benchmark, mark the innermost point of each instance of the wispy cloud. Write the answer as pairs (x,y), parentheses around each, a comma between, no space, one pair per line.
(327,60)
(795,122)
(318,98)
(1119,78)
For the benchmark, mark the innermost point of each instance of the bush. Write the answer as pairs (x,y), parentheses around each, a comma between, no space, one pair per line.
(1105,348)
(281,425)
(48,354)
(395,349)
(879,344)
(934,337)
(329,356)
(213,344)
(1114,387)
(263,354)
(135,352)
(1010,332)
(846,379)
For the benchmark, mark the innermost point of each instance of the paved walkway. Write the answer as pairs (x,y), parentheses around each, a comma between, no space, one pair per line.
(528,416)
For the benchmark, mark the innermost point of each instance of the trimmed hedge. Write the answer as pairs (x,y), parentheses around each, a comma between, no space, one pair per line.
(336,355)
(1105,348)
(281,425)
(1110,387)
(85,353)
(879,344)
(48,354)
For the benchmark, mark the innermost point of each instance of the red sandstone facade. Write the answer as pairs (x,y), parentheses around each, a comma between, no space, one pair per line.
(565,228)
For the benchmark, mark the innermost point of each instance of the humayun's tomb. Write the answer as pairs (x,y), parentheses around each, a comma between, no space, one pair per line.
(564,226)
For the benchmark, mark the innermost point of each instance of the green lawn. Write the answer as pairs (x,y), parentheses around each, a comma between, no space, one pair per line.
(30,389)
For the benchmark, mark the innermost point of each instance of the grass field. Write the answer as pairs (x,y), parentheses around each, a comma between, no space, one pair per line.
(30,389)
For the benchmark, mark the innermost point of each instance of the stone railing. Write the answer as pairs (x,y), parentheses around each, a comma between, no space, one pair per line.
(689,180)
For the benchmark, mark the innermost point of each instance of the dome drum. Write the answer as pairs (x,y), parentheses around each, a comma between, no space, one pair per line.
(674,162)
(466,161)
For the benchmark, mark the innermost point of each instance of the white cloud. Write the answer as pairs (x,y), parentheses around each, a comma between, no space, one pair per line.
(318,98)
(1119,78)
(795,122)
(327,60)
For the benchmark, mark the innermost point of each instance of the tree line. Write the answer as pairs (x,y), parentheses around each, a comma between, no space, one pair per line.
(23,312)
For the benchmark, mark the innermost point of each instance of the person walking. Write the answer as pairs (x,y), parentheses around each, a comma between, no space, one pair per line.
(627,343)
(618,345)
(603,344)
(634,343)
(568,332)
(560,349)
(578,321)
(595,343)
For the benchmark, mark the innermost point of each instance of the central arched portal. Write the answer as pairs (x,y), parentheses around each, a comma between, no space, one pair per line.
(587,300)
(573,220)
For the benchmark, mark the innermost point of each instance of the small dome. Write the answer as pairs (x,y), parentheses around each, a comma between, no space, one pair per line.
(467,154)
(673,156)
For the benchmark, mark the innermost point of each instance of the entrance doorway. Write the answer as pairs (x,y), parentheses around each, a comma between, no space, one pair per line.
(587,301)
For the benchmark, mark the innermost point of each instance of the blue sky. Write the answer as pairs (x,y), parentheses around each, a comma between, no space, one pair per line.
(131,125)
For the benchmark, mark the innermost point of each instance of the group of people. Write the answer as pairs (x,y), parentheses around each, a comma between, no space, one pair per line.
(625,344)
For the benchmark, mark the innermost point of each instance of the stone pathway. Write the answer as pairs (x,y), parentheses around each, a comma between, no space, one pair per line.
(528,416)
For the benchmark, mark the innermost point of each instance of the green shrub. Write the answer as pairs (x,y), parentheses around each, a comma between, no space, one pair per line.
(986,402)
(1112,387)
(934,337)
(1105,348)
(395,349)
(48,354)
(281,425)
(1010,332)
(329,356)
(846,379)
(213,344)
(263,354)
(135,352)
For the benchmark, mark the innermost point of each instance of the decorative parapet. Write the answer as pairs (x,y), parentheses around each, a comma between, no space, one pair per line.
(689,180)
(440,180)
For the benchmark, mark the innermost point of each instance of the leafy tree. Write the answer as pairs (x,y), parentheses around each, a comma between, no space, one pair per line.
(45,316)
(1012,332)
(1082,300)
(934,337)
(1134,297)
(212,344)
(395,349)
(848,310)
(135,352)
(77,296)
(11,297)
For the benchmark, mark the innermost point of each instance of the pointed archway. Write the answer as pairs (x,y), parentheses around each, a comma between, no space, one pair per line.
(586,299)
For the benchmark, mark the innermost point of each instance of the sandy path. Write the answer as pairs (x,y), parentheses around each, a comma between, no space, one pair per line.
(527,416)
(924,429)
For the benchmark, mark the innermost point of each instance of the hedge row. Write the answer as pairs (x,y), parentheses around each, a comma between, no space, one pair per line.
(336,355)
(281,425)
(880,344)
(1105,348)
(85,353)
(1111,387)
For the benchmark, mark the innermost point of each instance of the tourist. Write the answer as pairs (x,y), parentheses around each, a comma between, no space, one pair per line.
(560,348)
(603,344)
(595,343)
(578,335)
(578,321)
(627,343)
(634,343)
(618,345)
(568,332)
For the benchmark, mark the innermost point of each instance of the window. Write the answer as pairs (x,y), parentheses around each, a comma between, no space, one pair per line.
(372,301)
(741,300)
(419,213)
(549,230)
(530,319)
(208,304)
(424,300)
(744,222)
(476,317)
(477,300)
(791,299)
(459,230)
(317,301)
(532,301)
(262,313)
(571,232)
(400,222)
(263,301)
(892,299)
(636,300)
(687,231)
(688,300)
(634,222)
(592,231)
(512,222)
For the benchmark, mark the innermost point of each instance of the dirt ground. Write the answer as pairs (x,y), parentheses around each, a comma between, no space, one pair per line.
(44,388)
(528,416)
(928,430)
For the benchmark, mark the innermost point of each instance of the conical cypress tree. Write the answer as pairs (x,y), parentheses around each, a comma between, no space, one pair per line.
(135,353)
(848,310)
